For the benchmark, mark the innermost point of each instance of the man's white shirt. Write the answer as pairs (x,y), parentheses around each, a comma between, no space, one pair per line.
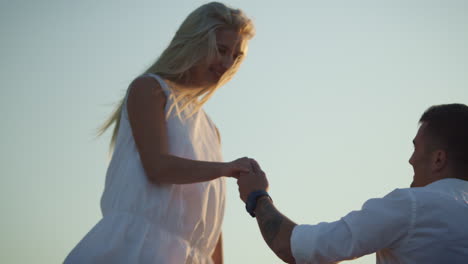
(413,225)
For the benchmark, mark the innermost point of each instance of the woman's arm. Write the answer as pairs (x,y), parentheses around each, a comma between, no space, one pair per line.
(145,105)
(218,253)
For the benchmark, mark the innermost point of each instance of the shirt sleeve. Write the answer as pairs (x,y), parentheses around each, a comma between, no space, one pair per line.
(379,224)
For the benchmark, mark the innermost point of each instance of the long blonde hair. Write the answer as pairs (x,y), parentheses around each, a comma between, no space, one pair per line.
(194,42)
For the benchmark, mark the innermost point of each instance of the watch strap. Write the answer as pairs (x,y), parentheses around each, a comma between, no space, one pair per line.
(252,199)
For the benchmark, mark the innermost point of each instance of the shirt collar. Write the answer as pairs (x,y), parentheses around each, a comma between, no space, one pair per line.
(451,186)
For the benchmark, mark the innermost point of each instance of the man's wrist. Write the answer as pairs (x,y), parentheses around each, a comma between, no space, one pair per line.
(264,197)
(253,199)
(262,201)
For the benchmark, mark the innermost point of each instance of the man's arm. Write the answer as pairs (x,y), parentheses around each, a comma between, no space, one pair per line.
(276,229)
(381,223)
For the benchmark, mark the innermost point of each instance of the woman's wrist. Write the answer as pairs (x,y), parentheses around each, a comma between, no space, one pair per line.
(223,169)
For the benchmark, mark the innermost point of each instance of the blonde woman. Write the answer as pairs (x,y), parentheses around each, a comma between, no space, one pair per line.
(164,193)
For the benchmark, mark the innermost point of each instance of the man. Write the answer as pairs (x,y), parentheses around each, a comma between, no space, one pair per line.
(427,223)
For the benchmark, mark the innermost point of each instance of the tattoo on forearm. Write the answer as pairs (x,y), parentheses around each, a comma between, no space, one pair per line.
(276,229)
(269,220)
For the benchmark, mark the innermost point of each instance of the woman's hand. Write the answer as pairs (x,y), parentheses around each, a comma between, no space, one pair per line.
(236,167)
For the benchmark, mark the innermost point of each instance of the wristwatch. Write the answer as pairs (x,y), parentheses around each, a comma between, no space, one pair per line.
(251,203)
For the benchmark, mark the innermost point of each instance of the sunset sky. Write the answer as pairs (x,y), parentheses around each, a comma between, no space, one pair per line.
(327,101)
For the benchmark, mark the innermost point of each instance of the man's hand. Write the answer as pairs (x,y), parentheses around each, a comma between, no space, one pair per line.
(255,180)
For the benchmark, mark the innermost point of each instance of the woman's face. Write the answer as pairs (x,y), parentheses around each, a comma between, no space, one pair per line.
(230,45)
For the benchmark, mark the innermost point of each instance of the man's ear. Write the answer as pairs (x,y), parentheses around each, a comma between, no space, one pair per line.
(438,160)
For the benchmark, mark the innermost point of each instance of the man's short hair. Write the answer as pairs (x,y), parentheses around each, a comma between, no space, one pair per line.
(447,125)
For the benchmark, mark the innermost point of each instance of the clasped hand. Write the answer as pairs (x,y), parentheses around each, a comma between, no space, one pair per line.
(254,180)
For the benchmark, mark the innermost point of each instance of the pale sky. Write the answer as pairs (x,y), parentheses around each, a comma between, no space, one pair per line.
(327,101)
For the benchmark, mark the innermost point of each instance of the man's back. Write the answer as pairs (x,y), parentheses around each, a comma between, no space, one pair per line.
(438,231)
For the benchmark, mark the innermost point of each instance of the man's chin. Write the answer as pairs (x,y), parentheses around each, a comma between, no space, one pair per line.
(413,183)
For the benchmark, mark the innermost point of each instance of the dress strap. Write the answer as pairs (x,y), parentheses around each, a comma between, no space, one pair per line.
(161,82)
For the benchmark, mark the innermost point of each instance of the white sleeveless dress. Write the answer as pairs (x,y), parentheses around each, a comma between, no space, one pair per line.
(148,223)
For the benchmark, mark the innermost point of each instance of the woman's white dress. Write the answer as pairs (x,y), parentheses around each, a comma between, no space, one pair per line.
(148,223)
